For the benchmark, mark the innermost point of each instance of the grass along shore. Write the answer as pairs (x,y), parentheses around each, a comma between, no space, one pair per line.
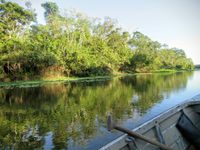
(36,82)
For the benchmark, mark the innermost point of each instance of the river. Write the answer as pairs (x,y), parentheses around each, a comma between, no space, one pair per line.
(73,115)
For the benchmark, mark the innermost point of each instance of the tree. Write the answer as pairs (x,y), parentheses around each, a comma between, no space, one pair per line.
(51,9)
(145,52)
(14,22)
(14,19)
(76,45)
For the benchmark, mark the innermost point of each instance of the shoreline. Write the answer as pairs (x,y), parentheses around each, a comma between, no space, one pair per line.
(55,80)
(37,82)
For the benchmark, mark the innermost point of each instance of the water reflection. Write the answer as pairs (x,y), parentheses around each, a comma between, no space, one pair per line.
(75,113)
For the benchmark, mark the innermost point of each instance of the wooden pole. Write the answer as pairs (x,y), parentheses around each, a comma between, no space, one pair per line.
(135,135)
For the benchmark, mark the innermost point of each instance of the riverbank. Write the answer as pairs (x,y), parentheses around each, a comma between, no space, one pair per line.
(36,82)
(22,83)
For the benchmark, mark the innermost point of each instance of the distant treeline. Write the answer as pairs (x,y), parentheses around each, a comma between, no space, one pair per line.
(73,44)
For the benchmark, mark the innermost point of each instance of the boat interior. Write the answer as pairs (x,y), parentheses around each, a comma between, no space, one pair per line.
(178,128)
(179,131)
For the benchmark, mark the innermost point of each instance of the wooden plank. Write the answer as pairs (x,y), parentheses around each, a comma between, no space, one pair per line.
(185,142)
(192,115)
(149,147)
(188,110)
(140,144)
(196,108)
(149,134)
(180,144)
(142,137)
(171,135)
(170,121)
(174,146)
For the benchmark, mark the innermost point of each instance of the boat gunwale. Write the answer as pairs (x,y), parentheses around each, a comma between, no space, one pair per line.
(156,120)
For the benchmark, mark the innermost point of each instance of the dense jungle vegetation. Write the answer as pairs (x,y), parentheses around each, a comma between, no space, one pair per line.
(73,44)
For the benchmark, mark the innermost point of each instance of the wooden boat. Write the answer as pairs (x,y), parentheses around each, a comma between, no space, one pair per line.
(178,129)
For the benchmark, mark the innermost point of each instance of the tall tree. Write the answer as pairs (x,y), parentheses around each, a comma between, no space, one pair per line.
(51,9)
(14,21)
(14,18)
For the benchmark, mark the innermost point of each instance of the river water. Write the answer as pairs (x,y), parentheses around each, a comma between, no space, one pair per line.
(73,115)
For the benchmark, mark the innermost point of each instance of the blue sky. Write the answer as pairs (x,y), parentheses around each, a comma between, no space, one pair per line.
(174,22)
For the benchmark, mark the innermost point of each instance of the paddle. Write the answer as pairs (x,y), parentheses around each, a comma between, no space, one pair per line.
(111,126)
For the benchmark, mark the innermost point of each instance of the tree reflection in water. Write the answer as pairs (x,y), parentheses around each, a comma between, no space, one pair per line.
(75,112)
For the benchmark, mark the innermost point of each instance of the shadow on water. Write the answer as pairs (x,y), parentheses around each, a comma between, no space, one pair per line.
(71,115)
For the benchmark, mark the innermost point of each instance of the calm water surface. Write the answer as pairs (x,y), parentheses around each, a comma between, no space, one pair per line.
(73,115)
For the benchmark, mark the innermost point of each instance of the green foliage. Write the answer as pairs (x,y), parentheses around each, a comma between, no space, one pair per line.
(50,9)
(150,55)
(76,45)
(13,19)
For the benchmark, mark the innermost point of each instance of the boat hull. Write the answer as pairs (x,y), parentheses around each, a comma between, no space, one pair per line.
(162,128)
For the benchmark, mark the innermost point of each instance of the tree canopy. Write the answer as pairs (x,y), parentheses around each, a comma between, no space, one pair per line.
(76,45)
